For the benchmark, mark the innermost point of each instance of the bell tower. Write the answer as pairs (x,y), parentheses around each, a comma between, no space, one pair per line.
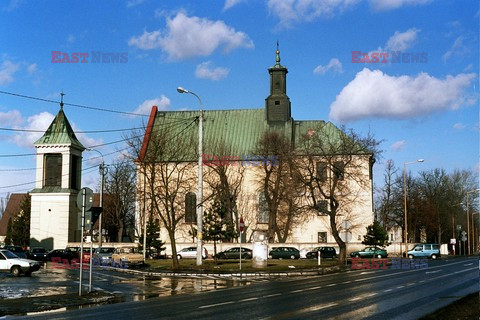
(53,221)
(277,104)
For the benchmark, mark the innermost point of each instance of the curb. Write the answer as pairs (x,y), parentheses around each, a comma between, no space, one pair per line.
(309,272)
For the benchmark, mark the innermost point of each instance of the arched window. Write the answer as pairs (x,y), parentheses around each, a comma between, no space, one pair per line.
(190,207)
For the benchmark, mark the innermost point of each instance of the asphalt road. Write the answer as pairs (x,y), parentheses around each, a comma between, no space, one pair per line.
(131,287)
(362,294)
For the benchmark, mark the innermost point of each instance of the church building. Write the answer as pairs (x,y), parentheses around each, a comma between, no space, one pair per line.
(233,135)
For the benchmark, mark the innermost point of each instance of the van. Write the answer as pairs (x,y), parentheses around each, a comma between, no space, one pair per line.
(425,250)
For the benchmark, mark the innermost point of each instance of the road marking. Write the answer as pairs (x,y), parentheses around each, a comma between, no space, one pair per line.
(345,282)
(296,291)
(312,288)
(371,294)
(427,272)
(215,305)
(400,287)
(331,285)
(355,299)
(468,264)
(366,272)
(272,295)
(387,290)
(422,281)
(248,299)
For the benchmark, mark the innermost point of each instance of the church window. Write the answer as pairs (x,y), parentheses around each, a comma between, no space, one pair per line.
(53,170)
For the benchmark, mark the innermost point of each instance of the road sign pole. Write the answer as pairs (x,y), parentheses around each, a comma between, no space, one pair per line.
(91,246)
(241,227)
(240,250)
(84,196)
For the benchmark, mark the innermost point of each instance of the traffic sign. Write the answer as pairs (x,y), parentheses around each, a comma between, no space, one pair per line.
(88,199)
(241,225)
(464,238)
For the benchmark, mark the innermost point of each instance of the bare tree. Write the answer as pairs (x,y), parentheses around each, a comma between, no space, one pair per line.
(336,171)
(224,178)
(280,185)
(119,201)
(166,174)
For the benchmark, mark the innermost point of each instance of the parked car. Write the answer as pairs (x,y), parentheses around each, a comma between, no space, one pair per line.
(304,251)
(424,250)
(103,255)
(370,252)
(17,250)
(62,254)
(10,262)
(234,253)
(129,255)
(325,252)
(38,254)
(284,253)
(191,253)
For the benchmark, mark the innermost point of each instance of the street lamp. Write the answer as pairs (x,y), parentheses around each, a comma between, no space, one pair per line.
(468,221)
(200,177)
(405,199)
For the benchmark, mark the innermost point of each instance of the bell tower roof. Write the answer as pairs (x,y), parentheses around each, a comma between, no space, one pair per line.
(60,132)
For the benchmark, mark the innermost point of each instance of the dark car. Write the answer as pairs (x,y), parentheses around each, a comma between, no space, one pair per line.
(17,250)
(370,252)
(38,254)
(62,254)
(325,252)
(234,253)
(284,253)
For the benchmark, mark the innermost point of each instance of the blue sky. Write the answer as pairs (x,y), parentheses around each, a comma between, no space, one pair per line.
(221,50)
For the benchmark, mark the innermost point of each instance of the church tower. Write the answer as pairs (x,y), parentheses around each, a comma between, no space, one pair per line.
(277,104)
(54,214)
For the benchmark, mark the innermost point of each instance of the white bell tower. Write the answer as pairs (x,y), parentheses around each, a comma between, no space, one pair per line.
(53,221)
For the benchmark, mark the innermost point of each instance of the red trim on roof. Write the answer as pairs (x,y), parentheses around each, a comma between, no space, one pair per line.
(148,131)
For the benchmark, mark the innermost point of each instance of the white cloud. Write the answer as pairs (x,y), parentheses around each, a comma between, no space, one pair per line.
(401,41)
(459,126)
(133,3)
(230,4)
(70,38)
(335,65)
(145,107)
(458,48)
(12,5)
(290,12)
(11,118)
(399,145)
(204,71)
(39,122)
(186,37)
(32,68)
(375,94)
(385,5)
(7,69)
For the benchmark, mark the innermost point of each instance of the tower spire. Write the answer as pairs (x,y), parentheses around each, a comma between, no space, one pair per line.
(61,99)
(277,56)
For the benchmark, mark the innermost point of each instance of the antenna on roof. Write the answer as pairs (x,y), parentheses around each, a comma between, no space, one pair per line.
(61,99)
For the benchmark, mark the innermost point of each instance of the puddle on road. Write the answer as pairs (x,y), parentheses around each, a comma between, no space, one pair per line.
(150,287)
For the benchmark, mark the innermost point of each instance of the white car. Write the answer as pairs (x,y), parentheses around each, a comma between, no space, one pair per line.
(12,263)
(191,253)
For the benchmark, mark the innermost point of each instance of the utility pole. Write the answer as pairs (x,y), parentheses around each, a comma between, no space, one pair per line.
(102,181)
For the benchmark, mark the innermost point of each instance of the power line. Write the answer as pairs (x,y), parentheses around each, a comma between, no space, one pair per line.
(170,125)
(75,105)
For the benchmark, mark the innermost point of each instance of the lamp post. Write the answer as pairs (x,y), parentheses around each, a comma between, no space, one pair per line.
(200,178)
(468,220)
(405,200)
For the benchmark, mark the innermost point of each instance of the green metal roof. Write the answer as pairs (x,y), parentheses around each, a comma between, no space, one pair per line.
(60,132)
(233,132)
